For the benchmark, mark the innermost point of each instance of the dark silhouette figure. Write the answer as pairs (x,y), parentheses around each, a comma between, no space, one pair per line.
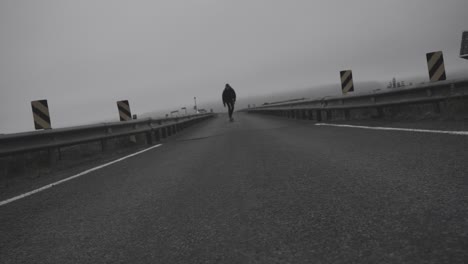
(229,99)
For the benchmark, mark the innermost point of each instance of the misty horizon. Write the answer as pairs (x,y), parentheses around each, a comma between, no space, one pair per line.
(84,56)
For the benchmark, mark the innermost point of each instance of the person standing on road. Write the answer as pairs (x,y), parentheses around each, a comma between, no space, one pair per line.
(229,99)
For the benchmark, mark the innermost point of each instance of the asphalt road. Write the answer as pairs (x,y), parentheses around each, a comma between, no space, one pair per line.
(258,190)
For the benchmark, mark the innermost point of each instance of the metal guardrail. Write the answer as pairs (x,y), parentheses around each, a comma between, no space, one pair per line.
(55,138)
(427,93)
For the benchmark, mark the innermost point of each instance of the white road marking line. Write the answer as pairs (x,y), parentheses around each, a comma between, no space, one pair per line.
(74,176)
(463,133)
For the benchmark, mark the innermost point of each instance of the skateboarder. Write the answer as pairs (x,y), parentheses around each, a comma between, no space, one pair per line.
(229,99)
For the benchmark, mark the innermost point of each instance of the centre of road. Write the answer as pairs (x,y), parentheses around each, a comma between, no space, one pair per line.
(463,133)
(74,176)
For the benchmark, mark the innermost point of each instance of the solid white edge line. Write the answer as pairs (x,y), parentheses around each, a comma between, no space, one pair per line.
(463,133)
(74,176)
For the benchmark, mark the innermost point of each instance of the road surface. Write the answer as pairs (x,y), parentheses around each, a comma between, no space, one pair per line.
(259,190)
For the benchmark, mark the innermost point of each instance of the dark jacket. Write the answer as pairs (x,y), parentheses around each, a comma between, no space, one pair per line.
(229,95)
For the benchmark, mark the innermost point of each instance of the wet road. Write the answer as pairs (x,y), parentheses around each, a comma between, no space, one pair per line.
(258,190)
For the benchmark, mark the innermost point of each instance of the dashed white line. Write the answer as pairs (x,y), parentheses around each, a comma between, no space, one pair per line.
(462,133)
(74,176)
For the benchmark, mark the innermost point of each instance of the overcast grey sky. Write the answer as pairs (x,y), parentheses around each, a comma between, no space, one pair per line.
(85,55)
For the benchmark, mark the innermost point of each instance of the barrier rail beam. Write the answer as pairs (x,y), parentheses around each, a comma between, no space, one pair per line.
(11,144)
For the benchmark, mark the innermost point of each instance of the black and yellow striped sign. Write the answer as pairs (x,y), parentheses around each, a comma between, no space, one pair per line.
(41,115)
(435,65)
(124,110)
(464,46)
(347,84)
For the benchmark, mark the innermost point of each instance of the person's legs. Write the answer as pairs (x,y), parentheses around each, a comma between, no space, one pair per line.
(230,109)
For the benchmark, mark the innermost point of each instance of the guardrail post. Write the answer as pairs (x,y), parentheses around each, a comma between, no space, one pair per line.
(169,131)
(52,158)
(157,135)
(104,141)
(436,106)
(4,172)
(428,92)
(318,114)
(59,150)
(380,112)
(133,138)
(103,145)
(346,114)
(149,138)
(452,88)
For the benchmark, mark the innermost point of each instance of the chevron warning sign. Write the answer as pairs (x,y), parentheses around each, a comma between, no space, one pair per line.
(41,115)
(435,65)
(347,84)
(124,110)
(464,46)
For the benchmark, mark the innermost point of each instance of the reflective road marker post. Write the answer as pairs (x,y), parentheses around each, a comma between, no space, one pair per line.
(125,114)
(436,67)
(464,46)
(40,109)
(41,115)
(347,84)
(124,110)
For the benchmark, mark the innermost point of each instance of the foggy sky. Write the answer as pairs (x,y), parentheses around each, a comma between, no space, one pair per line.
(85,55)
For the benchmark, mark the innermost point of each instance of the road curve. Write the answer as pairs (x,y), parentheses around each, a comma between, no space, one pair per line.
(258,190)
